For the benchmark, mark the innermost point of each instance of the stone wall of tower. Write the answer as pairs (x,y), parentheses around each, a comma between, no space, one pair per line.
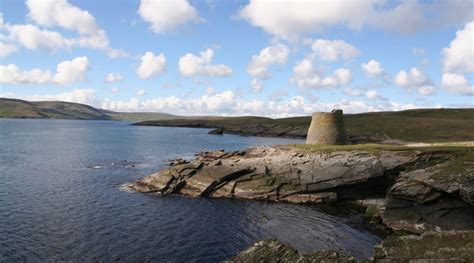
(327,128)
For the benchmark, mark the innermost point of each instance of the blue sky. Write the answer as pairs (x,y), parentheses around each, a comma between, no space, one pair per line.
(272,58)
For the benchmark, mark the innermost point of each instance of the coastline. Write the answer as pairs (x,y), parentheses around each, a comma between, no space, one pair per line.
(413,198)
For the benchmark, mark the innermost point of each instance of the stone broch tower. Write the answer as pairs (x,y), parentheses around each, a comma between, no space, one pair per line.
(327,128)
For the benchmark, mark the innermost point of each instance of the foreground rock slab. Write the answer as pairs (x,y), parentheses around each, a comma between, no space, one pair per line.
(275,251)
(422,189)
(445,246)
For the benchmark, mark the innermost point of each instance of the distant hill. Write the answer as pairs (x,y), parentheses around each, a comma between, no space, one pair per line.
(421,125)
(14,108)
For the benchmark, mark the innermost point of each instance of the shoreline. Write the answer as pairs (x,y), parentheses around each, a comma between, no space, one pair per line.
(406,178)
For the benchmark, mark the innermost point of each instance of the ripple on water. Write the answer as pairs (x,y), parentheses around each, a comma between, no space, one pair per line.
(52,207)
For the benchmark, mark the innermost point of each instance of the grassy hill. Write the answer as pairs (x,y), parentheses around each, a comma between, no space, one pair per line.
(424,125)
(13,108)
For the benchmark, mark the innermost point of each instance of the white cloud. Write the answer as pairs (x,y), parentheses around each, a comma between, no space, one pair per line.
(167,15)
(192,65)
(60,13)
(34,38)
(67,72)
(151,65)
(210,91)
(333,50)
(7,49)
(353,92)
(372,68)
(415,80)
(459,56)
(289,19)
(63,14)
(115,90)
(457,84)
(141,92)
(113,77)
(274,54)
(306,77)
(71,71)
(224,103)
(11,74)
(256,85)
(374,95)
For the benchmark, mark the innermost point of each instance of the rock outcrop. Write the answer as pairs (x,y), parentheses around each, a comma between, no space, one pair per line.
(275,251)
(421,191)
(445,246)
(217,131)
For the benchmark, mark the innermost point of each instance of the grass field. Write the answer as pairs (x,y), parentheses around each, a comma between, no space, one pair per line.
(425,125)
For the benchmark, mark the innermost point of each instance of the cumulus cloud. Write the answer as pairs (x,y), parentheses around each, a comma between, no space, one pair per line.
(354,92)
(457,84)
(304,76)
(67,72)
(333,50)
(151,65)
(288,19)
(61,14)
(33,38)
(166,15)
(113,77)
(372,68)
(115,90)
(141,92)
(374,95)
(71,71)
(459,56)
(192,65)
(223,103)
(256,85)
(416,80)
(274,54)
(7,49)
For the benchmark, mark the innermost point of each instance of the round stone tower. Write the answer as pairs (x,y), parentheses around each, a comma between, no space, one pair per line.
(327,128)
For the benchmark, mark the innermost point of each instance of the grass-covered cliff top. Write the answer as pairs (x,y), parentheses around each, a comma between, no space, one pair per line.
(424,125)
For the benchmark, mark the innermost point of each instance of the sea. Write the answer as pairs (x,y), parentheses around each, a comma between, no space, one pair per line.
(62,198)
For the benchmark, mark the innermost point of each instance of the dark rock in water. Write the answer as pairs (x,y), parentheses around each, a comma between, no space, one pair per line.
(275,251)
(218,131)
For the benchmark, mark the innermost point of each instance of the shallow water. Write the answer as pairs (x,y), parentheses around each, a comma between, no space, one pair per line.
(61,199)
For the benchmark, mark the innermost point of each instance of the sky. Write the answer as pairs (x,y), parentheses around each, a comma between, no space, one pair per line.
(275,58)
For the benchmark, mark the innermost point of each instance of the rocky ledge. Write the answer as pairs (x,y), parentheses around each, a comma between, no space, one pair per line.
(419,189)
(422,195)
(446,246)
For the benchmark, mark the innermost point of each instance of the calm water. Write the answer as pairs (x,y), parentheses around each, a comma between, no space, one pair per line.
(55,205)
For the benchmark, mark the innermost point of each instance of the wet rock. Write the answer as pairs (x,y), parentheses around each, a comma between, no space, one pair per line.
(217,131)
(177,161)
(446,246)
(275,251)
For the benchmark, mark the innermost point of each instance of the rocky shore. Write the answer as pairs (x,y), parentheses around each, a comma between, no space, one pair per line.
(410,190)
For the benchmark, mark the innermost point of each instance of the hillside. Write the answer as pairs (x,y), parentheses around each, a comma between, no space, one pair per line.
(13,108)
(424,125)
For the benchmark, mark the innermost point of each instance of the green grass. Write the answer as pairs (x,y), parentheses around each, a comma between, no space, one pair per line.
(426,125)
(371,147)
